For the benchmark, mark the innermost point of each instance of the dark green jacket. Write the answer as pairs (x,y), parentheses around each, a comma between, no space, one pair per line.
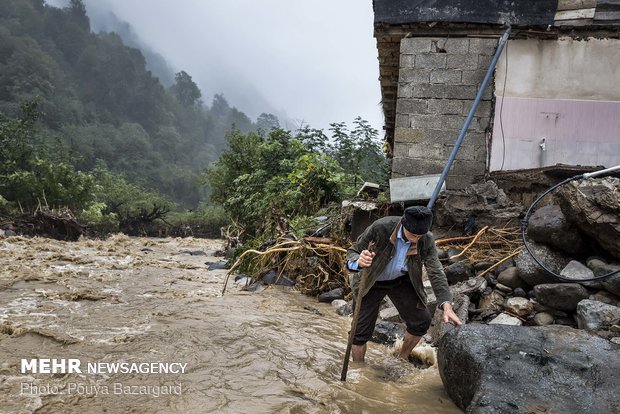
(383,233)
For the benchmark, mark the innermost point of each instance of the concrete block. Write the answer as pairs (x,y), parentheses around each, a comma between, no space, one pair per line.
(458,92)
(459,46)
(484,62)
(445,106)
(401,148)
(464,167)
(407,61)
(466,152)
(449,76)
(476,139)
(429,91)
(441,136)
(402,121)
(426,121)
(409,135)
(413,188)
(414,75)
(430,61)
(483,110)
(414,45)
(404,90)
(458,182)
(482,46)
(461,61)
(472,77)
(413,167)
(430,151)
(411,106)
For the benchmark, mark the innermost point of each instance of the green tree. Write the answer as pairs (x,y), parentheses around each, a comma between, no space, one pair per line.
(185,90)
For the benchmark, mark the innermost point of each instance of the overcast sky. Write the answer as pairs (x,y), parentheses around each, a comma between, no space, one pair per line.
(314,60)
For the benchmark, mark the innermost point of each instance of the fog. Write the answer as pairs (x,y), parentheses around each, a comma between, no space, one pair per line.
(311,62)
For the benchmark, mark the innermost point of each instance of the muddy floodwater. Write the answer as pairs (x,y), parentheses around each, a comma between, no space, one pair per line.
(150,304)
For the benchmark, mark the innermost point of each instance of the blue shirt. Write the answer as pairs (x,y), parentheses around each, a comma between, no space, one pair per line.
(397,265)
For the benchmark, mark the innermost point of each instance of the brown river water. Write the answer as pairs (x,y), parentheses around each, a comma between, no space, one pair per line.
(137,301)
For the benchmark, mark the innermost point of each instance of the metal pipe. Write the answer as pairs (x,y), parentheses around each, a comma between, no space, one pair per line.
(470,116)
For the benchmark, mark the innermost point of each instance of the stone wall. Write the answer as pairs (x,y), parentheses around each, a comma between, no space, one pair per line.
(438,81)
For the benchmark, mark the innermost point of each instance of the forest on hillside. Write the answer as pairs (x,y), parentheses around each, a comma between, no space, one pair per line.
(85,125)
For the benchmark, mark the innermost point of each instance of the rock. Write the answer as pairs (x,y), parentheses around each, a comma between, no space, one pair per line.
(256,287)
(605,297)
(328,297)
(453,251)
(615,340)
(615,328)
(567,321)
(240,276)
(503,288)
(488,369)
(549,226)
(510,277)
(519,306)
(216,266)
(459,272)
(390,314)
(543,318)
(600,268)
(492,301)
(505,319)
(439,328)
(9,233)
(271,278)
(245,281)
(481,266)
(338,304)
(387,332)
(520,293)
(346,310)
(593,205)
(561,296)
(485,202)
(441,253)
(594,315)
(531,273)
(576,271)
(491,279)
(540,308)
(471,287)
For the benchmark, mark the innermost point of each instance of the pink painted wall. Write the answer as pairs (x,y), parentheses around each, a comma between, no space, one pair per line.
(577,132)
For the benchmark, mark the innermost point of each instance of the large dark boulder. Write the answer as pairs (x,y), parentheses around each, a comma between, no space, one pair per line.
(548,225)
(332,295)
(459,272)
(531,273)
(593,205)
(561,296)
(489,369)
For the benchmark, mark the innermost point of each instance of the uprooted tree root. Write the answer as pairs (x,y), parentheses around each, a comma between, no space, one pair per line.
(492,245)
(318,265)
(314,263)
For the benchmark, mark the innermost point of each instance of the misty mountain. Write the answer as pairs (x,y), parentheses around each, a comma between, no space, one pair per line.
(101,100)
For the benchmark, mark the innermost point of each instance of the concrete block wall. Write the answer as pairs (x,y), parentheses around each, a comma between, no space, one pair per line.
(437,85)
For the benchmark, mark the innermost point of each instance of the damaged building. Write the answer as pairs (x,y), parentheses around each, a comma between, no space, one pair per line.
(553,104)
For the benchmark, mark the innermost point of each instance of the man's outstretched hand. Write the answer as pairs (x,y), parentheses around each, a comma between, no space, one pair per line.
(449,316)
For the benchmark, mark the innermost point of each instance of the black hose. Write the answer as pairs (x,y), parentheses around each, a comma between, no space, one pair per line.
(527,247)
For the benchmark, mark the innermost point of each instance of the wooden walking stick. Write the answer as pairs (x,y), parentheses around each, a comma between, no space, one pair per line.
(356,315)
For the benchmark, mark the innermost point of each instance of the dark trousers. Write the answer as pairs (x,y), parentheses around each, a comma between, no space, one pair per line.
(401,293)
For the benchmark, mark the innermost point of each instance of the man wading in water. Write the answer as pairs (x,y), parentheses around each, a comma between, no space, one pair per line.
(394,249)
